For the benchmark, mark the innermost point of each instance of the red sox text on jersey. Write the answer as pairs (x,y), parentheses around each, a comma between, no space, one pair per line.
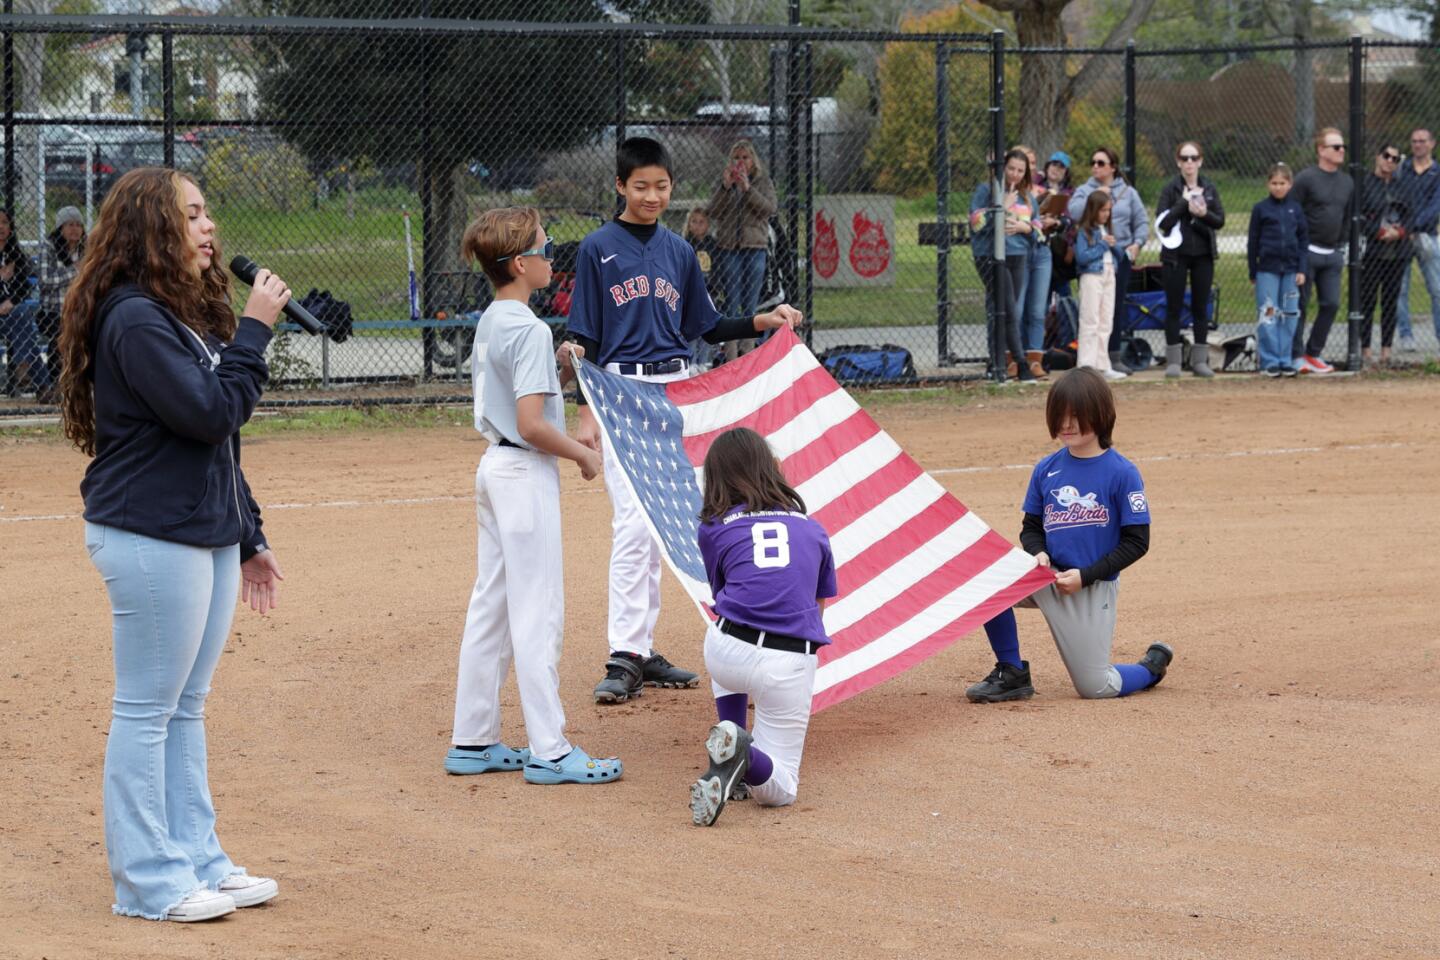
(623,293)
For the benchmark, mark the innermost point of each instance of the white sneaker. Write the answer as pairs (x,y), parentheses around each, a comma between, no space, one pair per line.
(249,891)
(201,905)
(1407,344)
(1113,375)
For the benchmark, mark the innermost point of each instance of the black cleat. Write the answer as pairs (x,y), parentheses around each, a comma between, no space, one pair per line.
(729,749)
(623,672)
(1005,682)
(659,672)
(1157,660)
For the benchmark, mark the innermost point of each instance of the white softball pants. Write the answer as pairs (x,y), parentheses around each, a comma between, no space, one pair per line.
(780,685)
(517,609)
(1097,317)
(634,557)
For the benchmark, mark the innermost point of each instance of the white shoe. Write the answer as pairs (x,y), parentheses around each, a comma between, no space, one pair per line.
(201,905)
(1407,344)
(249,891)
(1113,375)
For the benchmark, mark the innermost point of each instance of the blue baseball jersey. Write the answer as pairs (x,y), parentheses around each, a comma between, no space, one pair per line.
(642,302)
(1084,501)
(767,569)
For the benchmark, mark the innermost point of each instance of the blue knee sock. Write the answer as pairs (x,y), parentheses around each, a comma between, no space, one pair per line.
(1004,637)
(761,767)
(1134,677)
(732,707)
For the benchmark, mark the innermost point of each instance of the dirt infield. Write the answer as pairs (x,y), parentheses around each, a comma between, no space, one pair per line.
(1276,796)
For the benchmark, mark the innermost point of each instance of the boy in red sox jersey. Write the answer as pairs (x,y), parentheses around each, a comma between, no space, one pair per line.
(640,299)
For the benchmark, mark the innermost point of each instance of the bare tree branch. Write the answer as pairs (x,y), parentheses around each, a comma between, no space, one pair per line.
(1086,76)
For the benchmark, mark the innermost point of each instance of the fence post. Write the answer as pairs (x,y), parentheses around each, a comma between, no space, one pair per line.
(999,314)
(807,307)
(428,240)
(1130,112)
(167,93)
(619,90)
(794,103)
(777,63)
(942,204)
(1357,177)
(9,45)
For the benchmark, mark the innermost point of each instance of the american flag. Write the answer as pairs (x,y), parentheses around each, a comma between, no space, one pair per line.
(916,569)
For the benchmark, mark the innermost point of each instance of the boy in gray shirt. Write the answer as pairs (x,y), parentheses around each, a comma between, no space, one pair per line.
(517,608)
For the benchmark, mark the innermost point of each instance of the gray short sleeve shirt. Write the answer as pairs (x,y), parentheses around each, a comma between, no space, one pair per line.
(512,358)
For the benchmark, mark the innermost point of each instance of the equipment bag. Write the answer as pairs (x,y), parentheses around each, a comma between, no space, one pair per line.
(864,363)
(334,315)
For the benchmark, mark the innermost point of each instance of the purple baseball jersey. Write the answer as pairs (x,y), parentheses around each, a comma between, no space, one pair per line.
(767,569)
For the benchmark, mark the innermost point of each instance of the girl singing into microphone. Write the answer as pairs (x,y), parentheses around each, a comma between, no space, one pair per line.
(158,379)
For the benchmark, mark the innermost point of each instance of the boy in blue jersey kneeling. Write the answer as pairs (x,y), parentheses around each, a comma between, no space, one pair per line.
(639,300)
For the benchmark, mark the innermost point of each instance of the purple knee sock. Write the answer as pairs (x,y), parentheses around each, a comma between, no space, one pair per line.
(732,707)
(761,767)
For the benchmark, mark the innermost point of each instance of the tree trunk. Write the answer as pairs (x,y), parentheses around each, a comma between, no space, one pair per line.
(1043,108)
(1304,73)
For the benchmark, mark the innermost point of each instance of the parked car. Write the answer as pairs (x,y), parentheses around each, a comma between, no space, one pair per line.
(116,150)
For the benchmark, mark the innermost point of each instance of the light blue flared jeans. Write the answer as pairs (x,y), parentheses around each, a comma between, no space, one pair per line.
(171,605)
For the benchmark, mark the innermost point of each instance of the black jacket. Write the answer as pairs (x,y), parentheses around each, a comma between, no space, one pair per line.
(168,412)
(17,289)
(1197,234)
(1385,203)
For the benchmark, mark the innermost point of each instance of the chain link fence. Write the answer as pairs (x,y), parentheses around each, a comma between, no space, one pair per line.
(340,151)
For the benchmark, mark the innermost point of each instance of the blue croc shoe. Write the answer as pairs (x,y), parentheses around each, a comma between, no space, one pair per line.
(496,759)
(577,766)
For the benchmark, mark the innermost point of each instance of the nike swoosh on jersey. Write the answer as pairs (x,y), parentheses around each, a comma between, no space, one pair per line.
(1052,473)
(609,258)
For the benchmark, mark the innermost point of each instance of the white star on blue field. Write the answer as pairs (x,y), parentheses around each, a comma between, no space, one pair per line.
(644,430)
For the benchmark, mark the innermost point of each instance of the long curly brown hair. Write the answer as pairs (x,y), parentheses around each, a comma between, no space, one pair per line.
(140,237)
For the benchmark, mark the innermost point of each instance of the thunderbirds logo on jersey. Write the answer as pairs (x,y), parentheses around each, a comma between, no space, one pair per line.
(916,569)
(1076,510)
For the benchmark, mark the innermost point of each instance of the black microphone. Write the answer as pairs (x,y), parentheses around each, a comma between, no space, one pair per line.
(245,269)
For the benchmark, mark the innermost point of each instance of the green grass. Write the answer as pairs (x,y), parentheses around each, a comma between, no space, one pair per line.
(370,416)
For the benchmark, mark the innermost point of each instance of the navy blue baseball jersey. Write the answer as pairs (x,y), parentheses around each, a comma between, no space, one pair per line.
(766,570)
(642,302)
(1084,501)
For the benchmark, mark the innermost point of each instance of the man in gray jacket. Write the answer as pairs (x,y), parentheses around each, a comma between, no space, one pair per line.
(1128,222)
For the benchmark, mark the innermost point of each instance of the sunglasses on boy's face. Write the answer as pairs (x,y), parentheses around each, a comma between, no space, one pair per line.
(547,251)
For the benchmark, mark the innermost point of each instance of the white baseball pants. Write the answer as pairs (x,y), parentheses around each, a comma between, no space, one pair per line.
(517,609)
(780,685)
(634,556)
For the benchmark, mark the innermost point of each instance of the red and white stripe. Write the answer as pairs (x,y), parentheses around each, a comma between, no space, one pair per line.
(916,569)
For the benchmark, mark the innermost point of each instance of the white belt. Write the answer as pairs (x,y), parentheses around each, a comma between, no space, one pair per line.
(1323,251)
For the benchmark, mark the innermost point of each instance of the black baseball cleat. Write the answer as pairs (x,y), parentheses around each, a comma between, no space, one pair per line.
(623,673)
(729,749)
(659,672)
(1005,682)
(1157,660)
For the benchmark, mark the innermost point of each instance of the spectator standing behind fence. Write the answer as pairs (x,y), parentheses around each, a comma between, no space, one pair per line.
(1325,193)
(17,316)
(697,233)
(1189,204)
(1035,300)
(1421,174)
(1277,256)
(59,262)
(1096,253)
(1020,211)
(1128,222)
(1056,203)
(1386,212)
(741,210)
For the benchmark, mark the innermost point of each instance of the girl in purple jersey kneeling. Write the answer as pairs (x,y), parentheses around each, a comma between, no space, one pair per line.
(770,572)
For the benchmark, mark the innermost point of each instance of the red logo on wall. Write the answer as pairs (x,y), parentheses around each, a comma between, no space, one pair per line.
(870,253)
(827,246)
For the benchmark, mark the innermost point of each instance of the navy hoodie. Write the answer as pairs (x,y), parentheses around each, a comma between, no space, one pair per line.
(168,412)
(1279,238)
